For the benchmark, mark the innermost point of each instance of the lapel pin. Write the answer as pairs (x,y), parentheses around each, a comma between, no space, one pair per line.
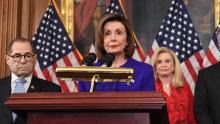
(32,87)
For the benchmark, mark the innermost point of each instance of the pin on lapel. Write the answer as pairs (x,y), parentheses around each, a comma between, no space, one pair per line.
(32,87)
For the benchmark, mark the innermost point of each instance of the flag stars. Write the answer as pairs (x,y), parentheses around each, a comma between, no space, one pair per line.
(196,41)
(60,30)
(183,49)
(165,42)
(195,47)
(45,63)
(53,47)
(63,51)
(41,28)
(169,15)
(112,5)
(47,50)
(174,24)
(189,38)
(46,56)
(57,49)
(182,56)
(177,47)
(37,47)
(64,38)
(70,47)
(39,40)
(171,45)
(160,33)
(41,55)
(54,27)
(171,8)
(172,38)
(188,45)
(185,16)
(116,7)
(177,53)
(190,31)
(107,10)
(188,52)
(45,15)
(178,39)
(57,55)
(49,38)
(51,59)
(184,42)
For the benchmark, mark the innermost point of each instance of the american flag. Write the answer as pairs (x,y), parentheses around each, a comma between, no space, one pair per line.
(115,6)
(54,48)
(212,53)
(177,33)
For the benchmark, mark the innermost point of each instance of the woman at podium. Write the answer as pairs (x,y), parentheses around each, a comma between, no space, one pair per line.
(114,36)
(169,82)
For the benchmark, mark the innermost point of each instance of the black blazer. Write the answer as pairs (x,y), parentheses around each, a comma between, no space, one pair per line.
(207,95)
(36,85)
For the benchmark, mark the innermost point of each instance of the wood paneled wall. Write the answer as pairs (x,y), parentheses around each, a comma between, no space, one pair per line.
(8,29)
(18,18)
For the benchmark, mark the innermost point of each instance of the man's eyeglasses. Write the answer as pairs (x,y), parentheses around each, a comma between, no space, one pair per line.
(17,57)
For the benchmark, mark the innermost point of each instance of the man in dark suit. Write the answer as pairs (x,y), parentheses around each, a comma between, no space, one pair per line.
(207,95)
(21,59)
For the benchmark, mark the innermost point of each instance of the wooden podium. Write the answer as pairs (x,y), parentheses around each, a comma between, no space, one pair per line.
(91,108)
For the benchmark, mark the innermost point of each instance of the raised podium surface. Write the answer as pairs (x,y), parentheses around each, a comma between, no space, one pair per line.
(92,108)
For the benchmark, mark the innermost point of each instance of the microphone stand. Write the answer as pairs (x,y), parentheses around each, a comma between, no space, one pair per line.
(96,74)
(93,81)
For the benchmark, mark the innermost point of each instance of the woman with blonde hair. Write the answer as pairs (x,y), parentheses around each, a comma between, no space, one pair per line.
(169,82)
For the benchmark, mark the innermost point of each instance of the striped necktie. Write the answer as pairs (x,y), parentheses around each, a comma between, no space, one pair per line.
(19,88)
(19,85)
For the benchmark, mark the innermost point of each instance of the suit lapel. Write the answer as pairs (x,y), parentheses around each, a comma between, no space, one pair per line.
(5,88)
(34,85)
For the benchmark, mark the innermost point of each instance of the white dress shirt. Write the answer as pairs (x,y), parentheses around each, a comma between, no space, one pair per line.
(26,84)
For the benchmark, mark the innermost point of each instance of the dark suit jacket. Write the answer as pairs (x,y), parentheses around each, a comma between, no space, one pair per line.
(207,95)
(36,85)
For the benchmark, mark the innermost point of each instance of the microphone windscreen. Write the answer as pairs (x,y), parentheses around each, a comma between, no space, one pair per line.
(89,59)
(108,60)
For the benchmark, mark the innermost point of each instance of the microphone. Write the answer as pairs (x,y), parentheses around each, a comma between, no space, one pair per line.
(107,60)
(89,59)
